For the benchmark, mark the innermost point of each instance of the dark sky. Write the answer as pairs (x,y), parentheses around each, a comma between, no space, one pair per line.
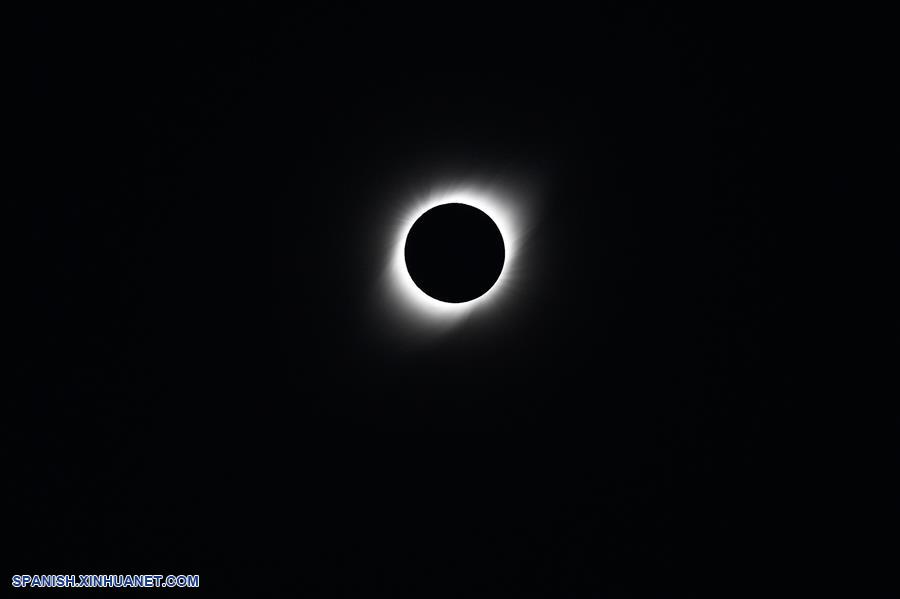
(660,410)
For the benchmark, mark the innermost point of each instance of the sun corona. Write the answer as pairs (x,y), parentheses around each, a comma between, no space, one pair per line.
(506,214)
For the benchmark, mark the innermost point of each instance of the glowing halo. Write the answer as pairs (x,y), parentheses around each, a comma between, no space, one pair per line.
(415,304)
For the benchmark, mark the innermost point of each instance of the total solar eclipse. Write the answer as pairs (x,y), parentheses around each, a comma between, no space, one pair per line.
(454,253)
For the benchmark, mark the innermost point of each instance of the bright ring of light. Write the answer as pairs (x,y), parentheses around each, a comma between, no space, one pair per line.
(508,220)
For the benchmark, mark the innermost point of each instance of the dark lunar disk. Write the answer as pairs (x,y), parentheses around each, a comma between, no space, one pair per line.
(454,253)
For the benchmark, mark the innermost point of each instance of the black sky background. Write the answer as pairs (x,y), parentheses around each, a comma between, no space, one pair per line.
(667,408)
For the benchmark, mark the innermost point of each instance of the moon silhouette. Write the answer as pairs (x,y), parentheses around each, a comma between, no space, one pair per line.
(454,253)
